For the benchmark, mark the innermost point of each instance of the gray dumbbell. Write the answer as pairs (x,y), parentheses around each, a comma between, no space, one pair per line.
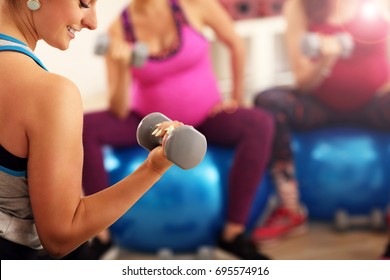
(311,44)
(185,146)
(139,54)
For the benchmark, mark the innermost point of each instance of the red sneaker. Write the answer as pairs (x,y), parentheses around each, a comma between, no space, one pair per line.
(282,222)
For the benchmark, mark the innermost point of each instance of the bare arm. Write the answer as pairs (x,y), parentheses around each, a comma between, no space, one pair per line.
(211,13)
(308,74)
(384,6)
(63,218)
(117,67)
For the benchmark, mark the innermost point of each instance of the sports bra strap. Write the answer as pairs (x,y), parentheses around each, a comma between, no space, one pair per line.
(127,24)
(8,43)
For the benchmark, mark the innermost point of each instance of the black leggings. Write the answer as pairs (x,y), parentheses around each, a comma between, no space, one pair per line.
(294,111)
(13,251)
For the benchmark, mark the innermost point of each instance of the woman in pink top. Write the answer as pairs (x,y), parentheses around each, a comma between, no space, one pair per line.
(329,89)
(177,80)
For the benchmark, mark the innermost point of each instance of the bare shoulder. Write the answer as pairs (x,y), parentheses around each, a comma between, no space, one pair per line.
(33,100)
(294,13)
(292,7)
(57,94)
(206,13)
(199,4)
(116,29)
(35,86)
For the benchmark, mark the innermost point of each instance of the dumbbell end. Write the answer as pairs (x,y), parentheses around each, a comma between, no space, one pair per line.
(310,45)
(145,128)
(186,156)
(140,54)
(102,43)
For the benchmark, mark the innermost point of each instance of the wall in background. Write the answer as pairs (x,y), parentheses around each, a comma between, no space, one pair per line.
(266,62)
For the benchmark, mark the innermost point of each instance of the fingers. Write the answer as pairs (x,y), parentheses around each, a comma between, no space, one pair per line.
(120,51)
(330,46)
(228,107)
(166,128)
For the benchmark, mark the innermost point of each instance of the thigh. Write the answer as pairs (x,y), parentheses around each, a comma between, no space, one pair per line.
(105,128)
(294,109)
(376,114)
(229,128)
(309,113)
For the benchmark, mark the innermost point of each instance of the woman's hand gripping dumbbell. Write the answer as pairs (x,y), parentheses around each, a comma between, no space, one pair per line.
(139,53)
(313,45)
(184,145)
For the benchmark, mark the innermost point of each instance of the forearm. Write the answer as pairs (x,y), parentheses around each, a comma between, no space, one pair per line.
(313,76)
(238,69)
(119,94)
(99,211)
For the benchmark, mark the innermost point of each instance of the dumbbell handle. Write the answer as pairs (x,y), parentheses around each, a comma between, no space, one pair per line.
(185,146)
(139,52)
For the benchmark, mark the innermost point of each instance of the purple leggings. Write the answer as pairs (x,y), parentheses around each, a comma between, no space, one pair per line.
(249,131)
(299,112)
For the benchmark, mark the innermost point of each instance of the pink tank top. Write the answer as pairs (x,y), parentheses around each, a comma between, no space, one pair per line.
(181,84)
(354,81)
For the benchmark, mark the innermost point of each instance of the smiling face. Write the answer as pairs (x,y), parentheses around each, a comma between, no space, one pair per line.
(57,21)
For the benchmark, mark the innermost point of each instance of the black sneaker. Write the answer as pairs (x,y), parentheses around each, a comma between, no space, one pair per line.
(386,254)
(242,247)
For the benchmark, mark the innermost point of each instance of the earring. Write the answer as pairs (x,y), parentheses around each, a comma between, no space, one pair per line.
(33,5)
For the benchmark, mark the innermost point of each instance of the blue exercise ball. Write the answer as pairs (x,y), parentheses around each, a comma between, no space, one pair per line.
(183,211)
(342,169)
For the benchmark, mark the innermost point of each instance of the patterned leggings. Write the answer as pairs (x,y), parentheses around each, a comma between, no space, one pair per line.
(301,112)
(248,131)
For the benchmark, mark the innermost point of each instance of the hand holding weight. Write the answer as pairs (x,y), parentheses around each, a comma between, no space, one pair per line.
(139,53)
(185,146)
(311,44)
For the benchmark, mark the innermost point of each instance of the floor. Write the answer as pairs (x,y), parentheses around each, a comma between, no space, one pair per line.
(320,242)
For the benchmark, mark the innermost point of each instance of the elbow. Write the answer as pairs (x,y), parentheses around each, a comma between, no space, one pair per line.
(240,46)
(56,250)
(301,84)
(120,112)
(59,245)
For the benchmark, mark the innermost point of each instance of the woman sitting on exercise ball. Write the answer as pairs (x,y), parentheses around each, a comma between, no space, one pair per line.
(338,55)
(177,80)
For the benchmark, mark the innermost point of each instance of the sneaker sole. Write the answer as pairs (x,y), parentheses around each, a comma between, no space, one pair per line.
(273,242)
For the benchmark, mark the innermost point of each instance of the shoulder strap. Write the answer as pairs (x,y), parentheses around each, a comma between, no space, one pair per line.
(178,12)
(127,25)
(8,43)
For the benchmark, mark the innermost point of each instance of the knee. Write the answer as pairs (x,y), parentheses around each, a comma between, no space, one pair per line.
(263,97)
(269,99)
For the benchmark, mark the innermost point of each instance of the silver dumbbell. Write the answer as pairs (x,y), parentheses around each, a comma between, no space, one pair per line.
(311,44)
(185,146)
(139,55)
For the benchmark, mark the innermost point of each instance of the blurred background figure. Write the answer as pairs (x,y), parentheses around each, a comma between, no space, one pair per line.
(177,80)
(338,53)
